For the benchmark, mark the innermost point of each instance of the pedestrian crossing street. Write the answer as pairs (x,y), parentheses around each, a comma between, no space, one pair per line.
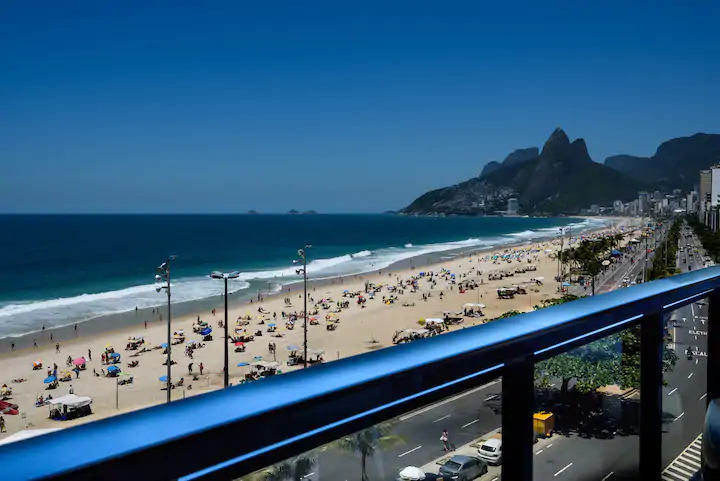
(685,466)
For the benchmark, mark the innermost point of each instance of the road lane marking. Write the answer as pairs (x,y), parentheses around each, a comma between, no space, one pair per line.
(549,446)
(563,469)
(671,392)
(471,422)
(539,451)
(690,375)
(308,475)
(697,360)
(438,420)
(408,452)
(609,474)
(681,415)
(454,398)
(702,397)
(686,465)
(491,397)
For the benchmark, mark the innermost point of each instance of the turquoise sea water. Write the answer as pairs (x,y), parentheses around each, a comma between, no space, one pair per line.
(57,270)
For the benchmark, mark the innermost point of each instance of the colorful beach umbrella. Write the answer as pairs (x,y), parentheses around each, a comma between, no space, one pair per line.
(239,343)
(163,378)
(79,361)
(50,379)
(205,331)
(113,368)
(115,355)
(243,364)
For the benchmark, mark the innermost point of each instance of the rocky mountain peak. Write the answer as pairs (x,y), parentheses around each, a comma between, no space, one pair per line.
(557,143)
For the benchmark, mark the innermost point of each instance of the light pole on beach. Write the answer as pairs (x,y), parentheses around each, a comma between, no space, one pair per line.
(303,270)
(163,282)
(225,276)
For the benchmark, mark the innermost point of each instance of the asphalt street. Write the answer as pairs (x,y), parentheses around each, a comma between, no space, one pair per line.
(470,415)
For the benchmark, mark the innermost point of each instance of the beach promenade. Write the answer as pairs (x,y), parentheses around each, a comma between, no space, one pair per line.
(360,330)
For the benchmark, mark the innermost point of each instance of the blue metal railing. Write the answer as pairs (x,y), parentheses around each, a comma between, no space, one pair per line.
(236,431)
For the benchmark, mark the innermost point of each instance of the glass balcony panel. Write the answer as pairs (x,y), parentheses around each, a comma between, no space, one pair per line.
(410,442)
(587,411)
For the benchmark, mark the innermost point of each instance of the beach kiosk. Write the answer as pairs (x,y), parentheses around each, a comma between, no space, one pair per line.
(69,407)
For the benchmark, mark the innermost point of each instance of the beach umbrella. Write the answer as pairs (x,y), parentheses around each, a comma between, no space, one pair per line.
(164,345)
(243,364)
(113,368)
(205,331)
(606,263)
(163,378)
(566,284)
(9,411)
(411,473)
(79,361)
(115,355)
(49,380)
(37,363)
(272,325)
(239,343)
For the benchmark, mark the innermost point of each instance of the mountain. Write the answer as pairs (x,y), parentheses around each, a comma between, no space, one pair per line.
(675,164)
(517,156)
(562,178)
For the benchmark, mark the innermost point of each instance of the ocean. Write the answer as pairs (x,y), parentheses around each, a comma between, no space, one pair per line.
(58,270)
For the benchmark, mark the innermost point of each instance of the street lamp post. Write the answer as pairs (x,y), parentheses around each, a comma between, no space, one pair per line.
(163,278)
(303,270)
(225,276)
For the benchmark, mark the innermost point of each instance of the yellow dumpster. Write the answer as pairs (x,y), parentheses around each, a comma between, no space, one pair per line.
(543,424)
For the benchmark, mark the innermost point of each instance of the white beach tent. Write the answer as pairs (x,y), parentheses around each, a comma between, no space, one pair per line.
(411,473)
(26,434)
(71,401)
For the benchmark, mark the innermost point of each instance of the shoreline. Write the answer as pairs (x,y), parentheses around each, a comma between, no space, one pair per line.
(360,330)
(107,323)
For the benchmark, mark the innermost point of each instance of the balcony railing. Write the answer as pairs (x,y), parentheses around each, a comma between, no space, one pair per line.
(229,433)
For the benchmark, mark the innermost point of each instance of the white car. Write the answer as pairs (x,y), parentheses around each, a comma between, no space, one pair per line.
(491,451)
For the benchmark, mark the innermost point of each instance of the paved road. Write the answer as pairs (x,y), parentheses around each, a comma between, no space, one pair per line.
(469,416)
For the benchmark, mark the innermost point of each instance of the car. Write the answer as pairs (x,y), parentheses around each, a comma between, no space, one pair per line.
(491,451)
(462,468)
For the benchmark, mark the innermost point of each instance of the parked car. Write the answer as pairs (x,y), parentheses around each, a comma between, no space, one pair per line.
(491,451)
(462,468)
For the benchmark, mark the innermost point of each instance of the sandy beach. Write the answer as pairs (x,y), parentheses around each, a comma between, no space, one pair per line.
(360,330)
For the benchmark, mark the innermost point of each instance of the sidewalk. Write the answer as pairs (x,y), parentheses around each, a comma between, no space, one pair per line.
(471,449)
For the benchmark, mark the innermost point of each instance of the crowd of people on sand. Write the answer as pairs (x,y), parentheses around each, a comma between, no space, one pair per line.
(479,272)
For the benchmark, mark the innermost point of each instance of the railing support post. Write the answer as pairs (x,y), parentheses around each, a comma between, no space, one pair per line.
(518,402)
(651,377)
(713,346)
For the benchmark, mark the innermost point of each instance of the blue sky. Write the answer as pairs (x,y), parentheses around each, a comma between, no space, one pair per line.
(186,106)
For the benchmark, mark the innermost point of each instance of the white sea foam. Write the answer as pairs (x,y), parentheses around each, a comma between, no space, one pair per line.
(20,318)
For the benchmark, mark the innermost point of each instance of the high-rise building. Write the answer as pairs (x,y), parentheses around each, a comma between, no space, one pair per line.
(513,206)
(618,207)
(594,209)
(705,193)
(643,202)
(692,199)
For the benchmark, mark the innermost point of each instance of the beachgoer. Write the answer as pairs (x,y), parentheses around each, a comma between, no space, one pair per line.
(2,424)
(57,348)
(12,345)
(77,373)
(201,368)
(145,324)
(89,355)
(95,372)
(444,439)
(51,336)
(71,390)
(190,368)
(35,343)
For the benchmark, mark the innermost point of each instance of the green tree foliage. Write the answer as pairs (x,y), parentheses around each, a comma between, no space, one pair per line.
(660,268)
(710,240)
(294,469)
(367,442)
(614,359)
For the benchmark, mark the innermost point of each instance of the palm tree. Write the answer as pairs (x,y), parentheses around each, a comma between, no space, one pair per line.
(294,469)
(369,441)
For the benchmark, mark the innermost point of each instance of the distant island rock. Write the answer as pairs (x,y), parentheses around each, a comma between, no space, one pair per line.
(293,212)
(309,212)
(252,212)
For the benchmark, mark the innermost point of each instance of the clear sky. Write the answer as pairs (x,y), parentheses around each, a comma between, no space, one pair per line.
(337,106)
